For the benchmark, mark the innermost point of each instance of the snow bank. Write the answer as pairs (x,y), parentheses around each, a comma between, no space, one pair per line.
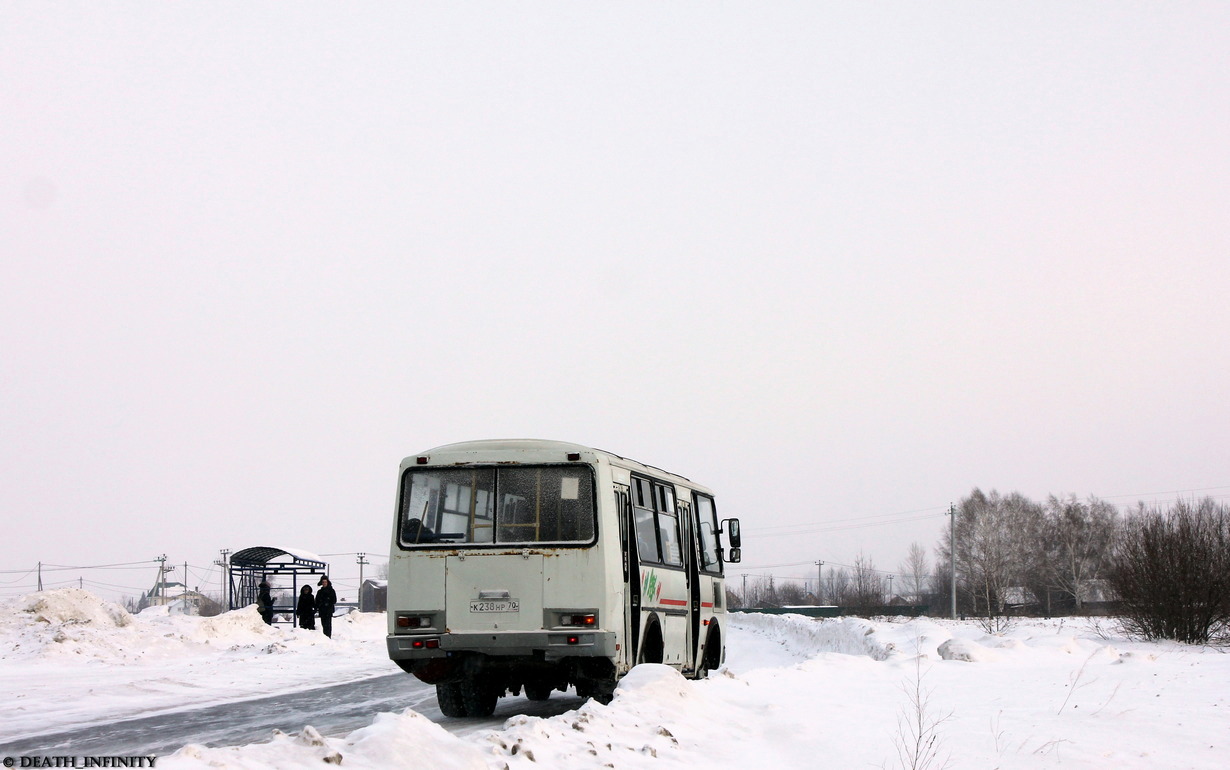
(965,650)
(52,641)
(851,636)
(408,739)
(73,605)
(892,639)
(64,622)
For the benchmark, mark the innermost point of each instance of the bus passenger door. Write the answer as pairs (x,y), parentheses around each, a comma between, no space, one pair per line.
(632,575)
(691,569)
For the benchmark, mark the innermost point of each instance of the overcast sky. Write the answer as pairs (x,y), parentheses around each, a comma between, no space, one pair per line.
(835,261)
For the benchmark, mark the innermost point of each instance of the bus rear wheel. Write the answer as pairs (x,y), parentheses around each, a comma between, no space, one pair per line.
(449,696)
(651,645)
(479,697)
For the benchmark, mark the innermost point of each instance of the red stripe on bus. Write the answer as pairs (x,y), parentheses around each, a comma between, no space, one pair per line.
(706,604)
(675,602)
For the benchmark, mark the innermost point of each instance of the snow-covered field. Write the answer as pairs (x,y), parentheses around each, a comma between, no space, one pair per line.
(796,692)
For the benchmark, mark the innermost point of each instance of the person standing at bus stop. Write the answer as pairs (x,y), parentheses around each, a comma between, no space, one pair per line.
(326,599)
(306,609)
(264,602)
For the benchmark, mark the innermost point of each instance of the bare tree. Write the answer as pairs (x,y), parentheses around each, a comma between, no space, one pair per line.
(211,605)
(1076,542)
(866,585)
(791,594)
(761,592)
(1172,571)
(939,594)
(993,546)
(837,586)
(914,571)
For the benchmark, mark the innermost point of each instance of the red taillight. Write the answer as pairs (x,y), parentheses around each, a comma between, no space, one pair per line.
(430,644)
(421,460)
(433,644)
(573,639)
(413,621)
(580,619)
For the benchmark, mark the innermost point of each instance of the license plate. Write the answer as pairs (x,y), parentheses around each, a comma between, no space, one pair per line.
(499,605)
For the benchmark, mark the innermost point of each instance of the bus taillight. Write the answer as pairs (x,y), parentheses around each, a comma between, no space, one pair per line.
(586,620)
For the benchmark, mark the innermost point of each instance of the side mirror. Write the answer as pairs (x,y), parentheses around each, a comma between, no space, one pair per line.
(734,556)
(731,528)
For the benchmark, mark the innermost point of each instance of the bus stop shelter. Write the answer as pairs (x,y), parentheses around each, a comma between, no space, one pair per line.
(286,569)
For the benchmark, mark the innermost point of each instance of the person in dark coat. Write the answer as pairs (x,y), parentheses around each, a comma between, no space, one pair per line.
(306,609)
(326,599)
(264,602)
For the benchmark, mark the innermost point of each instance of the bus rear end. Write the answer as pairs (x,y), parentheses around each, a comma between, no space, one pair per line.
(497,580)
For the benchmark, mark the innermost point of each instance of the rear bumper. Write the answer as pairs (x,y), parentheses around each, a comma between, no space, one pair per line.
(551,645)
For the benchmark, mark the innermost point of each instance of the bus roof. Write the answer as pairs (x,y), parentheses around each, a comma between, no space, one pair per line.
(539,446)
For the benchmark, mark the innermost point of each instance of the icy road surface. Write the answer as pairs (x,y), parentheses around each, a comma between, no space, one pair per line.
(334,710)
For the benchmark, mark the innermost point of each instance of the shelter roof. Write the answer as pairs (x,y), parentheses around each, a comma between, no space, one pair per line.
(262,555)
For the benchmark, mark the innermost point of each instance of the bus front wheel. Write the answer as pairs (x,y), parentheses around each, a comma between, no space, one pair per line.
(712,658)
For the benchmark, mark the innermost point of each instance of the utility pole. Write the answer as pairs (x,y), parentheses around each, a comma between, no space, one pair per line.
(890,588)
(162,564)
(819,581)
(742,596)
(226,577)
(362,561)
(952,554)
(40,576)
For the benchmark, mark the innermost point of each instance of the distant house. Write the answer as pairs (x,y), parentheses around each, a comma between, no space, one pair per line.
(187,603)
(176,597)
(1016,597)
(163,593)
(373,596)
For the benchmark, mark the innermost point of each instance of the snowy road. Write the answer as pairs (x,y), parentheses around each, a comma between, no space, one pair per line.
(334,710)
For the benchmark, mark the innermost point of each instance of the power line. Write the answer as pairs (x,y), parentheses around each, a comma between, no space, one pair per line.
(142,589)
(812,563)
(1171,492)
(19,577)
(918,514)
(129,565)
(820,528)
(832,522)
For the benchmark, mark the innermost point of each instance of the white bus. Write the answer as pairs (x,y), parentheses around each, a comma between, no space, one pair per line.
(531,566)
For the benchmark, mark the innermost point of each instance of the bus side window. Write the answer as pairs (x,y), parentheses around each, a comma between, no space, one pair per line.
(668,525)
(706,515)
(646,535)
(646,527)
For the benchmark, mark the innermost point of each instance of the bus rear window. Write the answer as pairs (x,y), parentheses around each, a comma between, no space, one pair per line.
(547,504)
